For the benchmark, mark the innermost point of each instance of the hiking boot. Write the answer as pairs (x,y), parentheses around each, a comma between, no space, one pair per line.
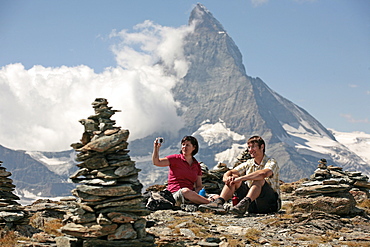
(216,207)
(240,208)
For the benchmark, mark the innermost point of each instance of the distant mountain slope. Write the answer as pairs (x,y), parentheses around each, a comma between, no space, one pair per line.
(31,177)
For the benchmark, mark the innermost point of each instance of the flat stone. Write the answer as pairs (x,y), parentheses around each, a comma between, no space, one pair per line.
(98,181)
(66,241)
(87,197)
(112,199)
(68,199)
(133,203)
(353,174)
(122,163)
(125,231)
(82,219)
(4,173)
(147,242)
(11,216)
(96,162)
(102,220)
(88,231)
(140,227)
(187,233)
(119,190)
(80,172)
(119,217)
(207,244)
(124,171)
(343,204)
(104,143)
(324,189)
(362,184)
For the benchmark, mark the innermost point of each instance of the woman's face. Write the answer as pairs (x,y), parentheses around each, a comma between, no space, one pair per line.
(187,148)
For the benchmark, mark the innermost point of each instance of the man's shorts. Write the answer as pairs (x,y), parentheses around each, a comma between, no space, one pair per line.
(267,202)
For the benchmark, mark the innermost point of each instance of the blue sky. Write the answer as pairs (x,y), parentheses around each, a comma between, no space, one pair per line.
(314,53)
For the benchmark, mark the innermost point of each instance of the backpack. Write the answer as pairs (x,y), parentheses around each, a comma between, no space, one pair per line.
(159,200)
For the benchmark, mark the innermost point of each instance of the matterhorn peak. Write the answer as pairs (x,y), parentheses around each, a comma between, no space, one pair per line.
(203,19)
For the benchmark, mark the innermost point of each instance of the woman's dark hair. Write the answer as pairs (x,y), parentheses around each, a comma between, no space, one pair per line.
(193,141)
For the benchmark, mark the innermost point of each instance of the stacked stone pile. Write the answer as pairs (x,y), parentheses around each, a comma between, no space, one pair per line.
(109,192)
(212,179)
(330,189)
(242,157)
(11,212)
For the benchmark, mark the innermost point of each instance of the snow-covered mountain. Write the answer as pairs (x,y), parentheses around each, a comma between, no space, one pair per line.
(349,145)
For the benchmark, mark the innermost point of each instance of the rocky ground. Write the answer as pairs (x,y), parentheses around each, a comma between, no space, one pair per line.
(186,228)
(330,208)
(316,228)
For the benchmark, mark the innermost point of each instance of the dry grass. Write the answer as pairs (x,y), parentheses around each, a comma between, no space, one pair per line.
(329,236)
(253,234)
(287,188)
(49,226)
(279,220)
(355,243)
(8,238)
(53,226)
(235,243)
(288,207)
(365,204)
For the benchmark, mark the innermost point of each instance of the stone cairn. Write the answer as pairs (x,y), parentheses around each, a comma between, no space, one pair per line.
(11,212)
(109,192)
(212,179)
(332,190)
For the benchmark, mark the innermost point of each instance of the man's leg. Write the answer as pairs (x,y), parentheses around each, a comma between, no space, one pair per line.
(226,194)
(253,193)
(267,202)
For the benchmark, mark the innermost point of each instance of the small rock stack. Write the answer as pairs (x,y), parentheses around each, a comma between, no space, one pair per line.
(331,189)
(212,179)
(11,212)
(109,192)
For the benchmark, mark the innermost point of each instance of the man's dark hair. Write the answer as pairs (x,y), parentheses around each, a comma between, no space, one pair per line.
(258,140)
(193,141)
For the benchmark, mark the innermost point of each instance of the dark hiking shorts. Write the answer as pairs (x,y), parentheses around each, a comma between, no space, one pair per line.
(267,202)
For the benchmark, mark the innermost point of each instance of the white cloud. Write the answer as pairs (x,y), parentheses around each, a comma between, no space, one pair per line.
(351,119)
(40,107)
(256,3)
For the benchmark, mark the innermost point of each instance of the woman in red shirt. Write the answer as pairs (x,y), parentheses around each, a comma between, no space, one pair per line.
(185,174)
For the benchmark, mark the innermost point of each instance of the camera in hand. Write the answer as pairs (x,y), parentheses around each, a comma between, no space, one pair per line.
(160,140)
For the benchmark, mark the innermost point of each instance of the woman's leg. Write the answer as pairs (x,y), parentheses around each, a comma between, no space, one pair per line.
(194,196)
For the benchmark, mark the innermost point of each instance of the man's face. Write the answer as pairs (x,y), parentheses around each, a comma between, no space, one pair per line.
(255,150)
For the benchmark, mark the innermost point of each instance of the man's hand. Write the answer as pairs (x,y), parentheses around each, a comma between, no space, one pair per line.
(236,180)
(229,180)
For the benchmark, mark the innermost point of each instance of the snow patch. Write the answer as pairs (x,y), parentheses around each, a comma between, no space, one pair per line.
(217,133)
(28,197)
(229,155)
(58,165)
(357,142)
(348,149)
